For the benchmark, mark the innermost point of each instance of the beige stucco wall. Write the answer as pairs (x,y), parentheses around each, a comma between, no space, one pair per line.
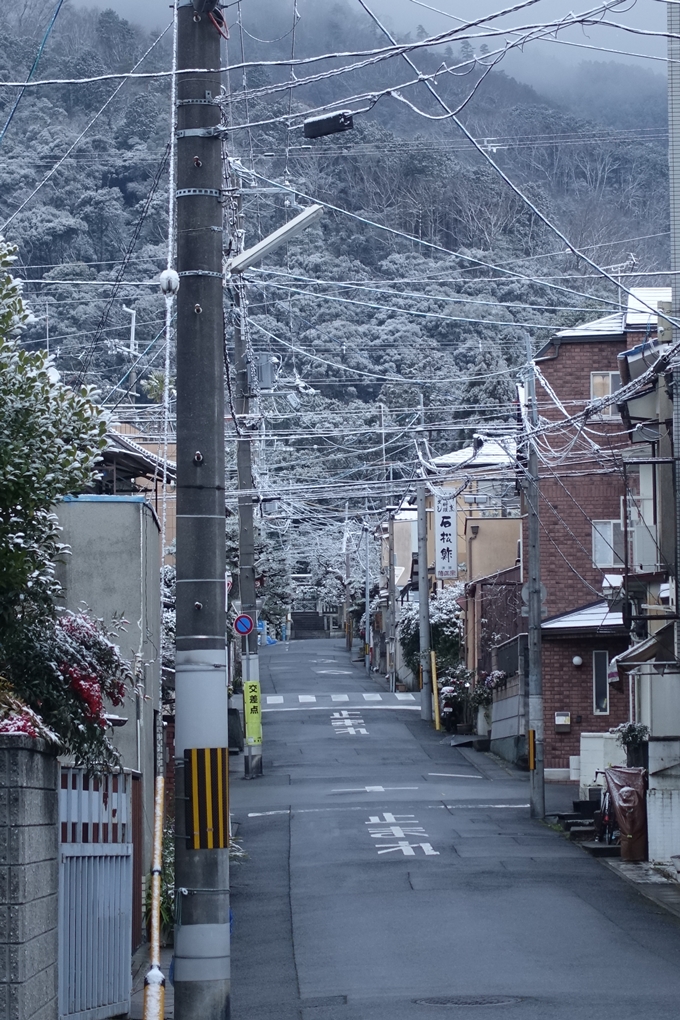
(490,544)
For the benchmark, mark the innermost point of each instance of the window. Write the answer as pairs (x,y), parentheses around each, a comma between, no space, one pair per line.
(607,544)
(600,683)
(603,384)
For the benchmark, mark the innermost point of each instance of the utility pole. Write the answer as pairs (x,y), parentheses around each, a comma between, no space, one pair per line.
(202,950)
(674,180)
(424,605)
(349,634)
(535,734)
(243,395)
(392,607)
(246,506)
(134,352)
(367,596)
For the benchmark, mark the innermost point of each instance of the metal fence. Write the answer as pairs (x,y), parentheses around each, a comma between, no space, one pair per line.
(95,896)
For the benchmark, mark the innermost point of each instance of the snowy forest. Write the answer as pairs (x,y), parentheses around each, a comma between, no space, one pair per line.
(413,301)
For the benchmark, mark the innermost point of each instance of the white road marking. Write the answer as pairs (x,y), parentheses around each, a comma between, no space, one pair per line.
(265,814)
(404,697)
(333,672)
(365,708)
(481,807)
(408,849)
(275,699)
(339,697)
(454,775)
(306,697)
(375,789)
(372,697)
(398,831)
(399,827)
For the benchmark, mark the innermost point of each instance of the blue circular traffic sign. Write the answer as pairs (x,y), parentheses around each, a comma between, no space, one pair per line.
(243,624)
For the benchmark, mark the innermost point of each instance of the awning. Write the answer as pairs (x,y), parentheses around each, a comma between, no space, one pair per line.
(660,648)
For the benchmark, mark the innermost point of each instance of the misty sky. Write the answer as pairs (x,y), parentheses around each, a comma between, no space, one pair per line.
(538,60)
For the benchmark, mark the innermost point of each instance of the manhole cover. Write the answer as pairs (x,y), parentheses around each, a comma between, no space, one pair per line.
(469,1000)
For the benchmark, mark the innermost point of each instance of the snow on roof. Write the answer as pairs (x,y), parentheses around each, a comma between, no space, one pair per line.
(606,326)
(491,454)
(590,618)
(407,514)
(637,314)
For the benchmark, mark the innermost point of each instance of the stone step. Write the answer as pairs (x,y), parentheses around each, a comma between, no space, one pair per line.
(598,849)
(581,833)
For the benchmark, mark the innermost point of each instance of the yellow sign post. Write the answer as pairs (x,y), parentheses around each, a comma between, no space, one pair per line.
(435,691)
(252,710)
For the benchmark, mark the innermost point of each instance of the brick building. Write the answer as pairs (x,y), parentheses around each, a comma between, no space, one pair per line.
(585,486)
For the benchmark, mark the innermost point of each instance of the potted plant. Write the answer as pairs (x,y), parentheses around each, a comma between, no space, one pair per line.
(633,736)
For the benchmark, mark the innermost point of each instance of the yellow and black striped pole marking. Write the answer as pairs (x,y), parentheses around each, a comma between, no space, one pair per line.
(531,749)
(207,783)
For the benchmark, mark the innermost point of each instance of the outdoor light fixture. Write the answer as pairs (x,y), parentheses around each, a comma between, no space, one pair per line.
(577,660)
(328,124)
(248,258)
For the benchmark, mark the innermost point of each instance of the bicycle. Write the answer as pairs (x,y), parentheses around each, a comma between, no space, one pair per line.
(606,824)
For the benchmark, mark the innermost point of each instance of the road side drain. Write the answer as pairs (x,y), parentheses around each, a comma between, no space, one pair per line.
(469,1000)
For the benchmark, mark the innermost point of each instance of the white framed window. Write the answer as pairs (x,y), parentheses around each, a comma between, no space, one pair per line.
(600,683)
(603,384)
(608,544)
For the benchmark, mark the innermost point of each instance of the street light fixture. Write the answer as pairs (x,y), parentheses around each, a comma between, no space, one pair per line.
(328,124)
(269,244)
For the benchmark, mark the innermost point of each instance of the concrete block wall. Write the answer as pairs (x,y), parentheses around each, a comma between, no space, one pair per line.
(29,874)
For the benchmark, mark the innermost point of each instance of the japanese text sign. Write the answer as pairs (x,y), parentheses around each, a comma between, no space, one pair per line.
(252,710)
(445,537)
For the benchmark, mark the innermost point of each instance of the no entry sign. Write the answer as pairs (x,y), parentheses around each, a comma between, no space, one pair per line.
(243,624)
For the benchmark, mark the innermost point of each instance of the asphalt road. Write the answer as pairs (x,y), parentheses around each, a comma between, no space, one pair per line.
(386,868)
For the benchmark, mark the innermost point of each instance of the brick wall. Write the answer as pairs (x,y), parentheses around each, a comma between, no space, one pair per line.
(569,688)
(28,879)
(584,488)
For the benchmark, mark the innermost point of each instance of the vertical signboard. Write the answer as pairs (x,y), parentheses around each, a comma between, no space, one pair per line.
(445,537)
(252,710)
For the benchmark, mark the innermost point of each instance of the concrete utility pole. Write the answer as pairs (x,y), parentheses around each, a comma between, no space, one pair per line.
(392,607)
(246,501)
(367,596)
(349,633)
(535,734)
(134,352)
(674,181)
(424,605)
(202,951)
(243,395)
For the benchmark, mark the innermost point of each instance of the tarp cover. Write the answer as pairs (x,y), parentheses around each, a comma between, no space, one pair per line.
(627,790)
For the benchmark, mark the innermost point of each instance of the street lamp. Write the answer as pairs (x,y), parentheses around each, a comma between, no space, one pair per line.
(236,267)
(269,244)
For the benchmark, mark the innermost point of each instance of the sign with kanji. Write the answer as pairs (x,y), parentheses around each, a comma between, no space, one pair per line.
(252,710)
(445,537)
